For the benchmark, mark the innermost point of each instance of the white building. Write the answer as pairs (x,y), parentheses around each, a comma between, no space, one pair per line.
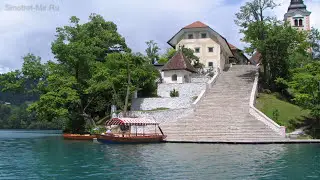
(212,49)
(178,69)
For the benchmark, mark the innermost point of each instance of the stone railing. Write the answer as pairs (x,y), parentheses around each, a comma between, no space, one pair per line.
(212,81)
(209,85)
(281,130)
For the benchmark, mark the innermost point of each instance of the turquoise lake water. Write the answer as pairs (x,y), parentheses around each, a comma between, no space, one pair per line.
(45,155)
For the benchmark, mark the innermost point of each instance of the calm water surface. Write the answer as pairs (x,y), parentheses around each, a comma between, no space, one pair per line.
(45,155)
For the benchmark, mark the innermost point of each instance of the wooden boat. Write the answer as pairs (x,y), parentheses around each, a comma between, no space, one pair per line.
(131,138)
(79,136)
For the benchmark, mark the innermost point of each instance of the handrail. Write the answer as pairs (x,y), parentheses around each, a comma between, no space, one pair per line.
(212,80)
(260,115)
(208,86)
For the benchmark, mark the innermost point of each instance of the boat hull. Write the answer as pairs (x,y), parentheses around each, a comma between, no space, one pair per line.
(78,137)
(107,139)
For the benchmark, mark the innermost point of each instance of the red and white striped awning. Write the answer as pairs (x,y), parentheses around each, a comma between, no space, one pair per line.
(131,121)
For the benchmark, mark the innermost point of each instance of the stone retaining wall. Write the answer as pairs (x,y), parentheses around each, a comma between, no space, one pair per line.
(203,79)
(161,116)
(185,90)
(154,103)
(281,130)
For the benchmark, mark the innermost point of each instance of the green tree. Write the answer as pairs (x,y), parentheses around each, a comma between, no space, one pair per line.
(252,20)
(189,54)
(77,48)
(167,56)
(305,86)
(314,39)
(25,81)
(5,112)
(279,43)
(254,11)
(94,70)
(152,51)
(194,60)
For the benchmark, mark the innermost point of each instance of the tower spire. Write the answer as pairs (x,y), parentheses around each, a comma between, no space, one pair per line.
(297,4)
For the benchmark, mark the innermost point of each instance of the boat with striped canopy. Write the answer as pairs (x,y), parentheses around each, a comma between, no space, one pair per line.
(129,131)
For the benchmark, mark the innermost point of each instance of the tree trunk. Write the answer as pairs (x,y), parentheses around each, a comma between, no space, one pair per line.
(128,92)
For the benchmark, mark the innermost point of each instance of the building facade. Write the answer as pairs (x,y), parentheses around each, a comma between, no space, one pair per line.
(212,49)
(298,15)
(178,69)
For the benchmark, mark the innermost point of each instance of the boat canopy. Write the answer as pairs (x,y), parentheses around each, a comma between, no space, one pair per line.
(131,121)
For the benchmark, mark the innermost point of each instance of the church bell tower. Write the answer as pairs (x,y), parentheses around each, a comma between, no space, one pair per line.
(298,15)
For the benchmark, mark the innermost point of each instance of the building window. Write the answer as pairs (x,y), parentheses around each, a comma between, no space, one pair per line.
(197,50)
(203,35)
(186,79)
(300,22)
(296,22)
(190,36)
(210,64)
(174,77)
(210,49)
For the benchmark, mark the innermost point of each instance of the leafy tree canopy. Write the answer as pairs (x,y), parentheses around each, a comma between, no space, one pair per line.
(91,74)
(305,85)
(152,51)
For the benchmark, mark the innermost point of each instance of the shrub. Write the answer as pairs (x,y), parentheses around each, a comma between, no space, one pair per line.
(275,115)
(267,91)
(174,93)
(211,74)
(194,98)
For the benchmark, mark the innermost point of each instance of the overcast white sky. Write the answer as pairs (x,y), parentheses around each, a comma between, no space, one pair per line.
(138,21)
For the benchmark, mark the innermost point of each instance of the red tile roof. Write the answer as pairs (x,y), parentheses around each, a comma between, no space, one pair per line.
(196,24)
(179,62)
(256,57)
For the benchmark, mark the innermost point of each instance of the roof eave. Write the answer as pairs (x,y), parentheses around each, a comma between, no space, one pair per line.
(192,71)
(224,40)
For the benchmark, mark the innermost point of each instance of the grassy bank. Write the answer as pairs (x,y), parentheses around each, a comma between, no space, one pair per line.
(281,111)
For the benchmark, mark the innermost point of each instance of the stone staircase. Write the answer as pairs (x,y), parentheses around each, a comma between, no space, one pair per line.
(222,115)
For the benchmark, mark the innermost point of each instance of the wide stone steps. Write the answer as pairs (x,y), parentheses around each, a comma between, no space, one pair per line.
(260,132)
(222,115)
(223,136)
(249,129)
(224,140)
(218,129)
(178,136)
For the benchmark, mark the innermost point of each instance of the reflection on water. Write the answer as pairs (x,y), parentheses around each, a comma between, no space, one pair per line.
(10,134)
(48,156)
